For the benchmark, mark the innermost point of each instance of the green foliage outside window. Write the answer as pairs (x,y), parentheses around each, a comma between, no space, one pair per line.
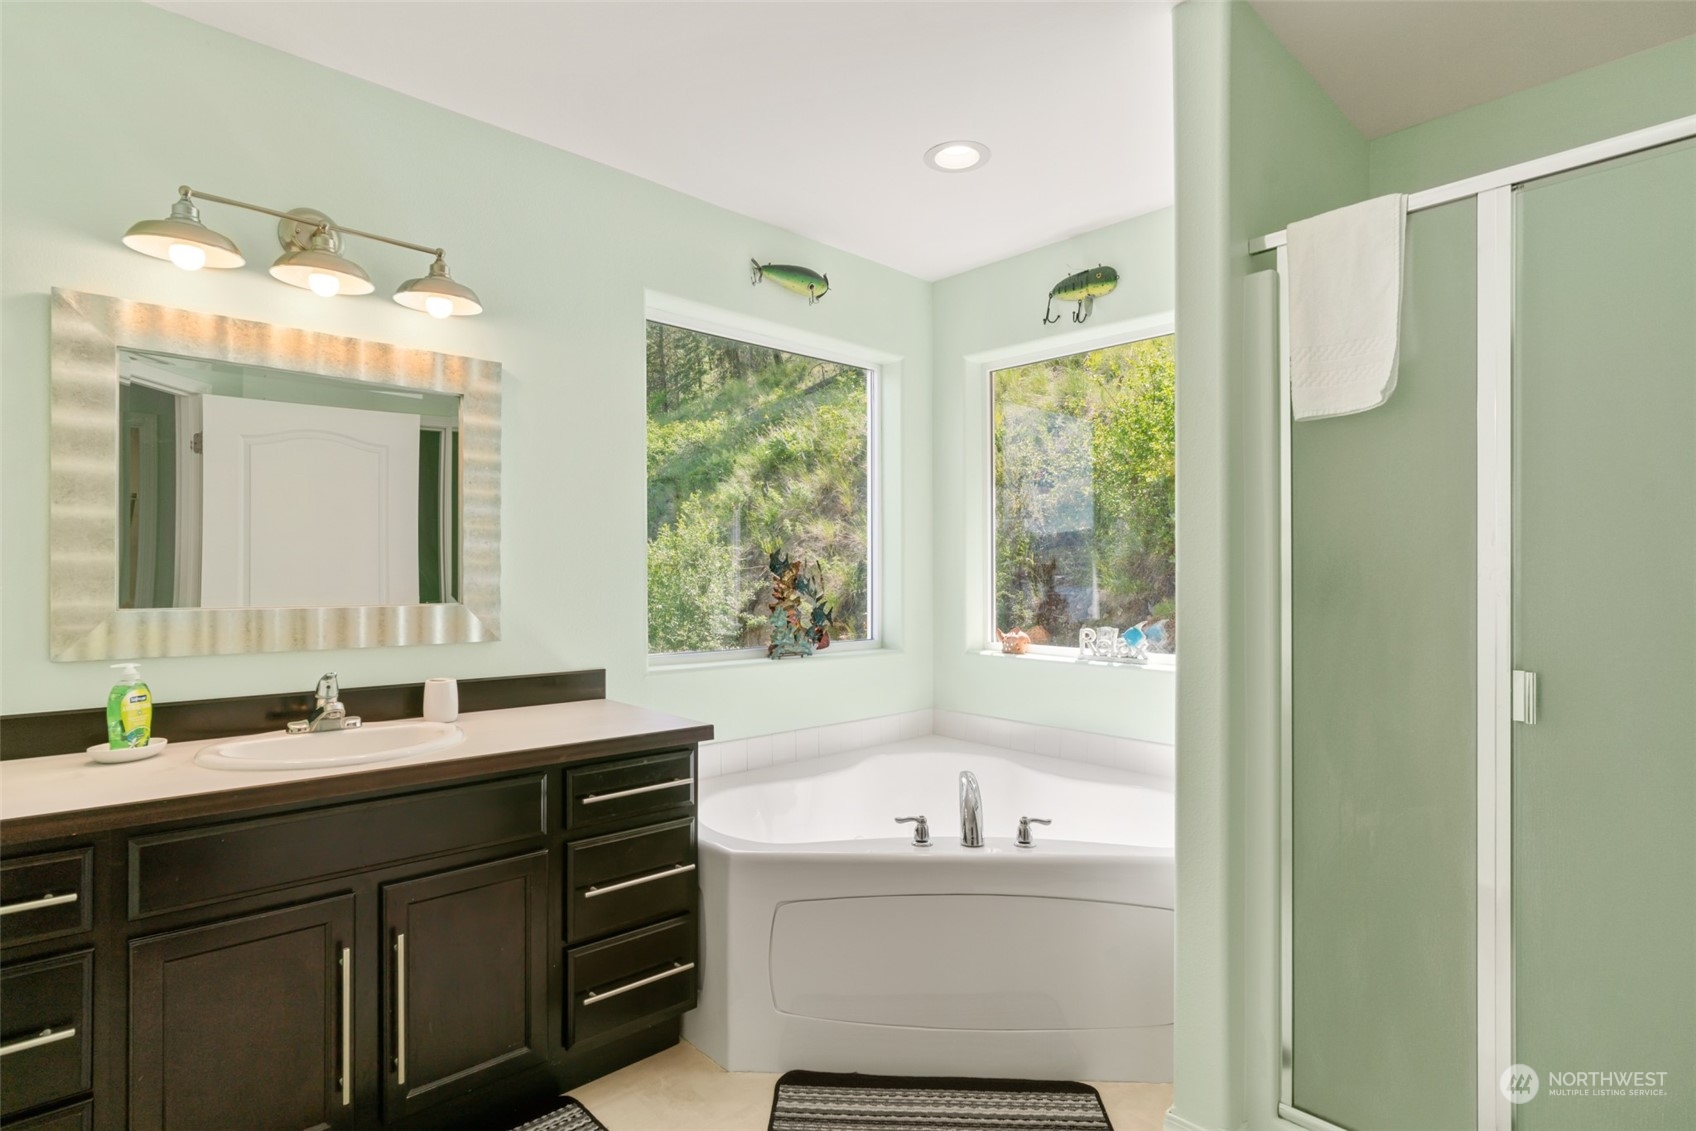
(750,450)
(1084,478)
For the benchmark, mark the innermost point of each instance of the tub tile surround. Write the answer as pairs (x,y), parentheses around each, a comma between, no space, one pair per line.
(738,755)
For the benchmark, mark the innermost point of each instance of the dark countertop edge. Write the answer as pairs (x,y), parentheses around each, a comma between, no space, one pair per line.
(245,801)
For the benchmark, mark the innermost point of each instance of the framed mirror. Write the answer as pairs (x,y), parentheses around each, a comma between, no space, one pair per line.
(224,486)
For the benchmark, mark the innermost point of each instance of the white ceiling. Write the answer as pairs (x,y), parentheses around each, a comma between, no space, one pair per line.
(1390,64)
(810,116)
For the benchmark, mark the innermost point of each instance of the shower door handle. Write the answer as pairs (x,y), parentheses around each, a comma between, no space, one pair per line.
(1525,698)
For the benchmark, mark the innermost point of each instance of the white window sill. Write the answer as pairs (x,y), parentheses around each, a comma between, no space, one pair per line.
(751,658)
(1158,662)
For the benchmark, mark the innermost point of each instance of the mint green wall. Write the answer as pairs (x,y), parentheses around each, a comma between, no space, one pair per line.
(997,308)
(106,108)
(1258,145)
(1627,94)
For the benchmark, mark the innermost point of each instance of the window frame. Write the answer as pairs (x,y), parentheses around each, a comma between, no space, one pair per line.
(684,314)
(986,365)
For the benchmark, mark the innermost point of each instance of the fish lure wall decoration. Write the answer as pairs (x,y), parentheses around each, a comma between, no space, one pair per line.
(802,280)
(1083,288)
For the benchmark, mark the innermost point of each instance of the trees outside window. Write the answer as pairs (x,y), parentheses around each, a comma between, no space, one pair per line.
(1083,486)
(751,449)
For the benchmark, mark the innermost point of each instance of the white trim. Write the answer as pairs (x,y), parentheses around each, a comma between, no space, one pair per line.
(1568,159)
(1305,1121)
(878,366)
(1176,1122)
(1286,704)
(1495,639)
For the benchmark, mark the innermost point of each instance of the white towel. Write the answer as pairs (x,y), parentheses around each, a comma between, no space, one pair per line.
(1345,307)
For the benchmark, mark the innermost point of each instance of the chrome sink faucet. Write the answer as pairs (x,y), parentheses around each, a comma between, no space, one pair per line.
(327,710)
(971,811)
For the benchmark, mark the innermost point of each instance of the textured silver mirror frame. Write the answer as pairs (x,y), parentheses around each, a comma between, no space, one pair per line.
(85,622)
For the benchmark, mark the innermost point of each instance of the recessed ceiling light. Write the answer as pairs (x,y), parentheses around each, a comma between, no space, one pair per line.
(956,156)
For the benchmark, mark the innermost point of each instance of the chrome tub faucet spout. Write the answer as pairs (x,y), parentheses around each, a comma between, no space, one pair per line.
(971,811)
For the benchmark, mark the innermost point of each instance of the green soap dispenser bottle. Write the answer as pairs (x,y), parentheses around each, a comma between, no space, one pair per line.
(129,710)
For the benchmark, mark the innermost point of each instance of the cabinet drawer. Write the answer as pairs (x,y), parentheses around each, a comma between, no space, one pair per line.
(630,980)
(196,866)
(629,790)
(42,897)
(44,1035)
(77,1117)
(626,879)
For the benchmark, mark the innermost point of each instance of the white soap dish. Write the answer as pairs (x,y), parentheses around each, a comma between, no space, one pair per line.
(103,752)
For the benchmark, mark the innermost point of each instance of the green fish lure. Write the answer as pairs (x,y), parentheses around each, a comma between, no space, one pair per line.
(1083,288)
(803,281)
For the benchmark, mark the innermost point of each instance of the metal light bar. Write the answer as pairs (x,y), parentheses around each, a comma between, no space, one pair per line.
(197,194)
(1679,129)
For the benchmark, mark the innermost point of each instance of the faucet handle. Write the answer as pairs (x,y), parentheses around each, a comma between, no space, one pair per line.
(1024,838)
(921,829)
(329,689)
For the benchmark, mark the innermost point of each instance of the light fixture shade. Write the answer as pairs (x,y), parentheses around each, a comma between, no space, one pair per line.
(433,291)
(297,268)
(183,228)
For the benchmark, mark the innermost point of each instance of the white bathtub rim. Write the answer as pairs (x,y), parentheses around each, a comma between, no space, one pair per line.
(945,847)
(937,743)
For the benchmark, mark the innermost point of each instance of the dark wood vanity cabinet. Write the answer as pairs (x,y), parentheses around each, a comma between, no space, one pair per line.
(245,1022)
(448,955)
(466,991)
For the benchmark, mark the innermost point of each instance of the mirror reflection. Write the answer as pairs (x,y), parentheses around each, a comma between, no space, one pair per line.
(240,487)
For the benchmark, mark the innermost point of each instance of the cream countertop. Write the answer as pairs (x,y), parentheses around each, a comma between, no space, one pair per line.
(64,783)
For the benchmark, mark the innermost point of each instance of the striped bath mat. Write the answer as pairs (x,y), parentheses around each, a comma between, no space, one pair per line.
(569,1116)
(836,1101)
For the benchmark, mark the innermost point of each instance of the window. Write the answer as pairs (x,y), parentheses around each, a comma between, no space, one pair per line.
(752,450)
(1082,490)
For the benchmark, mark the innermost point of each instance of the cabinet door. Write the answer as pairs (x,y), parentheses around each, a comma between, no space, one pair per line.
(245,1023)
(466,992)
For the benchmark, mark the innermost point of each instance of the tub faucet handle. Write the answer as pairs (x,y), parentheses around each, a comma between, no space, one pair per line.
(1024,839)
(921,829)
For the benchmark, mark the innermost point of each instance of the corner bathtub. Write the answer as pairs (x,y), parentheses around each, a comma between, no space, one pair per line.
(830,942)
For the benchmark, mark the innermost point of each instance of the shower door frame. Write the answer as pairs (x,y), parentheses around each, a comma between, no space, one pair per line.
(1494,194)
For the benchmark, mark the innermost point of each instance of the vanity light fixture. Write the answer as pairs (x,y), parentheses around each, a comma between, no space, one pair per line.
(437,294)
(956,156)
(312,254)
(183,239)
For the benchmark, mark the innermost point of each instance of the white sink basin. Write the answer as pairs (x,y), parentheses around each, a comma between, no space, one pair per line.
(377,742)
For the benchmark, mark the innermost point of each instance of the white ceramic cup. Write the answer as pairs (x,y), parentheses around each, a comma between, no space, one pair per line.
(441,700)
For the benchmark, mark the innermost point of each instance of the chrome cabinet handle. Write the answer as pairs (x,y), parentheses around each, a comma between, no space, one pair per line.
(347,1026)
(45,1037)
(674,870)
(597,798)
(400,1008)
(48,900)
(676,968)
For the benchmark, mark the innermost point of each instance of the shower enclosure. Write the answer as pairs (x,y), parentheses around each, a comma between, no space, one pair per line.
(1488,762)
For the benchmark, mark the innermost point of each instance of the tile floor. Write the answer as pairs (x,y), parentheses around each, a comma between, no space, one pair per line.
(681,1089)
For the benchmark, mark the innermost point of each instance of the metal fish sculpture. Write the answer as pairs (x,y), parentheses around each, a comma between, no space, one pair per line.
(802,280)
(1083,288)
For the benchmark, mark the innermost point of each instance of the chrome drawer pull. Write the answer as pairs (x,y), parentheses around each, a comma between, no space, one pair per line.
(674,870)
(400,1008)
(347,1026)
(45,1037)
(597,798)
(676,968)
(48,900)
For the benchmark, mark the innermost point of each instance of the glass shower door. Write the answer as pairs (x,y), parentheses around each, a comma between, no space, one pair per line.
(1383,722)
(1604,788)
